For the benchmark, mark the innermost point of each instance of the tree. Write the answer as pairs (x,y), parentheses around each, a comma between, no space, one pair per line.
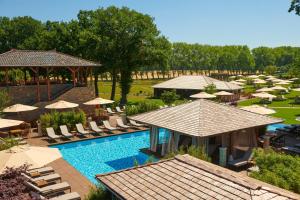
(169,97)
(4,100)
(210,89)
(263,57)
(270,70)
(295,7)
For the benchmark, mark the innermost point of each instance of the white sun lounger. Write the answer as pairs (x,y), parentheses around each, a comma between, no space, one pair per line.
(81,130)
(95,127)
(121,124)
(51,133)
(65,132)
(110,111)
(41,170)
(48,178)
(67,196)
(50,189)
(108,126)
(118,109)
(133,123)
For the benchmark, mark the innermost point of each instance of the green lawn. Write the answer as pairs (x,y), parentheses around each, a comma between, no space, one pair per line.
(288,114)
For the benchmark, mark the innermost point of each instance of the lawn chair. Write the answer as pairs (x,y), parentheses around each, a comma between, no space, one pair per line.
(48,178)
(67,196)
(81,130)
(245,160)
(50,190)
(133,123)
(36,172)
(110,111)
(118,109)
(65,132)
(51,134)
(95,127)
(121,124)
(108,126)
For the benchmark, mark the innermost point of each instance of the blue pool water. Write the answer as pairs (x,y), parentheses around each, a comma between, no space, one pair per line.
(273,127)
(108,154)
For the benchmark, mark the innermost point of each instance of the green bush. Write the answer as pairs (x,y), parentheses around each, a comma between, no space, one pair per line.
(141,107)
(7,143)
(210,89)
(192,151)
(297,100)
(55,119)
(97,193)
(278,169)
(169,97)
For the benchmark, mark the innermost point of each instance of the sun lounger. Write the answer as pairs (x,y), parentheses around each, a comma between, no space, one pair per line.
(245,160)
(95,127)
(133,123)
(47,178)
(50,189)
(39,171)
(65,132)
(118,109)
(121,124)
(51,133)
(81,130)
(110,111)
(67,196)
(108,126)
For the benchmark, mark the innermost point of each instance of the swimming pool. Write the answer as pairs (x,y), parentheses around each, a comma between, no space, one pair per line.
(107,154)
(273,127)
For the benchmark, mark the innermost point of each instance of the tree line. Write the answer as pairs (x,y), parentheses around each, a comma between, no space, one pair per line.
(126,42)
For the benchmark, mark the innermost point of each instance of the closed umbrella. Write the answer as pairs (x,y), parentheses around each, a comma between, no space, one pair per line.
(223,93)
(32,155)
(259,109)
(62,105)
(265,89)
(264,95)
(19,108)
(203,95)
(98,101)
(6,123)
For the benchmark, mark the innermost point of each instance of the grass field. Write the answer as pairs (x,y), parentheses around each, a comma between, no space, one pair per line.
(140,90)
(288,114)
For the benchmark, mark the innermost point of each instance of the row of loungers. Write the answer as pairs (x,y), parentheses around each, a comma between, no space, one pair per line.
(94,128)
(118,110)
(46,184)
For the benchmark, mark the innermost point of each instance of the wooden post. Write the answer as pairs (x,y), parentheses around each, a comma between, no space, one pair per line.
(37,79)
(73,71)
(6,77)
(48,83)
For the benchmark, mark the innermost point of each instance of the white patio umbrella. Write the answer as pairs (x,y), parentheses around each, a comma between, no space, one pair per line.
(265,89)
(261,75)
(241,80)
(259,110)
(237,83)
(253,76)
(297,89)
(32,155)
(260,81)
(264,95)
(270,76)
(294,79)
(282,83)
(62,105)
(278,88)
(223,93)
(203,95)
(277,80)
(19,108)
(6,123)
(98,101)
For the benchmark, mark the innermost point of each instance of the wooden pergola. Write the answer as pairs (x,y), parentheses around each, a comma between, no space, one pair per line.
(36,60)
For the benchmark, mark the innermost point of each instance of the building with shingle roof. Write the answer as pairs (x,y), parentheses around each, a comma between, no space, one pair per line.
(185,177)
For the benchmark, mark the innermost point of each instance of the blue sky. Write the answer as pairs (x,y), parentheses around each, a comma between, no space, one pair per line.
(220,22)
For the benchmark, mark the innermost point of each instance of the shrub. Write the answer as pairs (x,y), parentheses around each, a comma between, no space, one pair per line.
(169,97)
(210,89)
(196,152)
(297,100)
(8,143)
(141,107)
(97,193)
(55,119)
(278,169)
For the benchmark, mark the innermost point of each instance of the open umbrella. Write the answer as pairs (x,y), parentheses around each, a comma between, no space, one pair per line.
(61,105)
(264,95)
(297,89)
(279,88)
(32,155)
(253,76)
(99,101)
(259,81)
(283,83)
(6,123)
(237,83)
(203,95)
(294,79)
(265,89)
(19,108)
(241,80)
(223,93)
(259,110)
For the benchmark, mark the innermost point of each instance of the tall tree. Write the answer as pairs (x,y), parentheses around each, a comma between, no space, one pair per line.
(295,7)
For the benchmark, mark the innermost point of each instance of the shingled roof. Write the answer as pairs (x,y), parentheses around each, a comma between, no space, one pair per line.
(186,177)
(196,83)
(33,58)
(204,118)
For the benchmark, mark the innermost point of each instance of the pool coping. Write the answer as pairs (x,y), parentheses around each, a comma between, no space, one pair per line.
(97,137)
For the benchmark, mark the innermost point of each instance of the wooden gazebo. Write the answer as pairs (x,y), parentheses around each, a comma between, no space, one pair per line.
(37,60)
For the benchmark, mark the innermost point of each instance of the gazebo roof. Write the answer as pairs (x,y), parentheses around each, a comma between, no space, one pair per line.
(203,118)
(38,58)
(196,83)
(185,177)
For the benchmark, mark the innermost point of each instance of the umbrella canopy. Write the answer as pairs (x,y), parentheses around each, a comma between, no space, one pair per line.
(34,156)
(259,110)
(270,76)
(277,80)
(278,88)
(265,89)
(260,81)
(19,108)
(203,95)
(98,101)
(294,79)
(283,83)
(261,75)
(237,83)
(241,80)
(61,105)
(264,95)
(223,93)
(297,89)
(6,123)
(253,76)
